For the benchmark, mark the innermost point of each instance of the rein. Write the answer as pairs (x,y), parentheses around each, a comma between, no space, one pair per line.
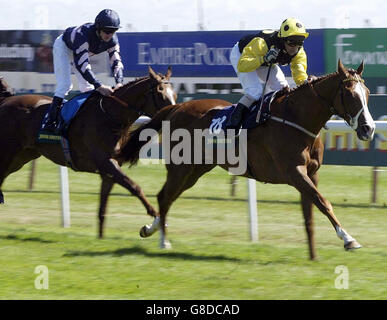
(294,125)
(139,111)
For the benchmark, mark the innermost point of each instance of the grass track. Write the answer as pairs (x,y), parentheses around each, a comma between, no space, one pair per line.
(212,257)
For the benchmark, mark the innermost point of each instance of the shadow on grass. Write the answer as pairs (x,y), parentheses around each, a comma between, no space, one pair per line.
(18,238)
(136,250)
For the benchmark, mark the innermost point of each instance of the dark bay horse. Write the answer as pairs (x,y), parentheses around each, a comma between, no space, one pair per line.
(94,134)
(285,150)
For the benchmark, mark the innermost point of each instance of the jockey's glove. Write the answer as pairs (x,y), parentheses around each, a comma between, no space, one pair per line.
(105,90)
(271,55)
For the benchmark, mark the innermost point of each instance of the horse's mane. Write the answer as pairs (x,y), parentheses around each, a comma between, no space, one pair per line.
(133,82)
(299,88)
(137,80)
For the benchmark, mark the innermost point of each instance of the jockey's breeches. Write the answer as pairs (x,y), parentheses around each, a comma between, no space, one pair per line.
(63,66)
(252,82)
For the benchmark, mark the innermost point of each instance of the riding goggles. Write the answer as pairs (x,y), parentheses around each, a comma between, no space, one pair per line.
(109,30)
(293,43)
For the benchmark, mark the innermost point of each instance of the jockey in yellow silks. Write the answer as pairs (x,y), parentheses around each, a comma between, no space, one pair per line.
(253,54)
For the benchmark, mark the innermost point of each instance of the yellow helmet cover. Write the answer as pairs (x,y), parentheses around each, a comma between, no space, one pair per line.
(292,27)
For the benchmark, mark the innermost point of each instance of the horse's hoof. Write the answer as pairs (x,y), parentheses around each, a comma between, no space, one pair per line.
(143,232)
(352,245)
(166,245)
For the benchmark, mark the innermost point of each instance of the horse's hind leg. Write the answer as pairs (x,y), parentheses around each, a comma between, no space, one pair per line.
(106,187)
(305,186)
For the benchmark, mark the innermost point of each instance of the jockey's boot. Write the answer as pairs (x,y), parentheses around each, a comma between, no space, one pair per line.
(234,122)
(52,121)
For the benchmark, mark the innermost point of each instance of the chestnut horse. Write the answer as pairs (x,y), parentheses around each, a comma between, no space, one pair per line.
(94,134)
(285,150)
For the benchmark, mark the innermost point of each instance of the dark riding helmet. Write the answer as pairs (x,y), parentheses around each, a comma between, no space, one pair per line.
(107,19)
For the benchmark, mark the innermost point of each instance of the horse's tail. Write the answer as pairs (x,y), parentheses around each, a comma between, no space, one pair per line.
(130,150)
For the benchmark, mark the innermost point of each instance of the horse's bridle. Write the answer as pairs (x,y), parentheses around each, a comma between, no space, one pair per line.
(353,120)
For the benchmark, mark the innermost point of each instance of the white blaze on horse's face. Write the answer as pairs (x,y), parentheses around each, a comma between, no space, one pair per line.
(367,128)
(170,94)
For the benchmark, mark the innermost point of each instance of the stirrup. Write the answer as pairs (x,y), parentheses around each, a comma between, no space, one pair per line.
(232,124)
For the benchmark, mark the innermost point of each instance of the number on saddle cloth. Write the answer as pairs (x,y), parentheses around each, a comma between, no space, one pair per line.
(249,121)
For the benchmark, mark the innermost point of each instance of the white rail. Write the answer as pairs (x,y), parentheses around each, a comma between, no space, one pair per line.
(340,125)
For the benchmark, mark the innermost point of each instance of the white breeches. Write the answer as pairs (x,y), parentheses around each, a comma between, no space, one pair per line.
(252,81)
(63,60)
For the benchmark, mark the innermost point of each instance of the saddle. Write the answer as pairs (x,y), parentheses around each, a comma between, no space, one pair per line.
(252,118)
(68,112)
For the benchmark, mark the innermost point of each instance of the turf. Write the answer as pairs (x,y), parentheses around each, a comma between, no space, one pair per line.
(212,256)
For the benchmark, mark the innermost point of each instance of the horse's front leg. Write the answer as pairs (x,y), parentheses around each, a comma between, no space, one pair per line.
(307,210)
(111,168)
(300,180)
(147,230)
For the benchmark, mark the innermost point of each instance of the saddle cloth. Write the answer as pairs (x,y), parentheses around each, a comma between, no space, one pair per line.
(68,112)
(249,120)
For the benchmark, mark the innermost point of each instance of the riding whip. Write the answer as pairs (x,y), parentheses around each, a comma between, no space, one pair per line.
(263,94)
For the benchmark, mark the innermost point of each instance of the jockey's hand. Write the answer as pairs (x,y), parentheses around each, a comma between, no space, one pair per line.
(311,78)
(271,55)
(284,90)
(118,85)
(105,90)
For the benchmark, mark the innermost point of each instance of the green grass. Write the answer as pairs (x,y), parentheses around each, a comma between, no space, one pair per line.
(212,257)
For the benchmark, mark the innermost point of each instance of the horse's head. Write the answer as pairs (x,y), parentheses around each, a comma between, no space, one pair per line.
(163,94)
(351,102)
(5,89)
(148,94)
